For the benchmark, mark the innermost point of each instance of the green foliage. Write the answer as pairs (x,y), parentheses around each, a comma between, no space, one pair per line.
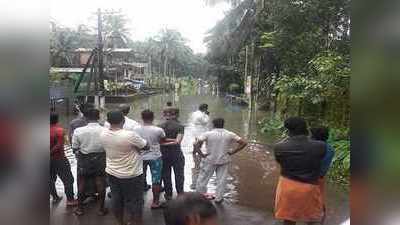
(267,40)
(171,56)
(272,125)
(328,76)
(304,52)
(64,40)
(168,50)
(340,169)
(188,86)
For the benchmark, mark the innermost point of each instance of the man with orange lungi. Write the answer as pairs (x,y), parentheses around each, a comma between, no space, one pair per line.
(298,196)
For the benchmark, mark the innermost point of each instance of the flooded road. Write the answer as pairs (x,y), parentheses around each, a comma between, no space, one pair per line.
(254,173)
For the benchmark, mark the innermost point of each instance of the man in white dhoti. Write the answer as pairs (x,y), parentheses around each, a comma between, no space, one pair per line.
(198,124)
(219,149)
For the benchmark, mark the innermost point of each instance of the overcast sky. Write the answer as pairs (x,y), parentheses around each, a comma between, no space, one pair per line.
(191,17)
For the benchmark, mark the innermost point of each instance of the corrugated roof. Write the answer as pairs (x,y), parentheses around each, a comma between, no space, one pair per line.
(65,70)
(136,64)
(107,50)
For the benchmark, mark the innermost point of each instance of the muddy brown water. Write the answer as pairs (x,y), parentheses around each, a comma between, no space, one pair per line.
(254,173)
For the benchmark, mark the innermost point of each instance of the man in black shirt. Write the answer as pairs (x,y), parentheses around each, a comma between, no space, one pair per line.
(298,196)
(172,155)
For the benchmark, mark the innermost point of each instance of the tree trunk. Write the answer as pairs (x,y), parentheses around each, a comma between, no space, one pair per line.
(300,107)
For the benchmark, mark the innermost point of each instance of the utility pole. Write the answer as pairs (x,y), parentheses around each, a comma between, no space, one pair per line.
(149,71)
(100,50)
(247,76)
(99,98)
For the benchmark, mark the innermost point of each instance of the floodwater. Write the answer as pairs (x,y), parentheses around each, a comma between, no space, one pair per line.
(253,174)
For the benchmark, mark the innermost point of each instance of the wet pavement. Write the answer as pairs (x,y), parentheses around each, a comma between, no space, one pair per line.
(254,173)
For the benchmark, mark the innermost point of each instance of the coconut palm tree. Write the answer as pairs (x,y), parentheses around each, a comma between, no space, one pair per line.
(115,29)
(170,43)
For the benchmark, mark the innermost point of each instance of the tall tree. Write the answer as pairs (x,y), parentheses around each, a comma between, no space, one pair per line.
(116,31)
(171,43)
(63,41)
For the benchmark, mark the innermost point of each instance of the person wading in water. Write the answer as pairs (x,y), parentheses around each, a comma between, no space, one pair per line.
(198,122)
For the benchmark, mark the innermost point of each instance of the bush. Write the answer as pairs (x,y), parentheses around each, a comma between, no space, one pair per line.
(340,168)
(273,125)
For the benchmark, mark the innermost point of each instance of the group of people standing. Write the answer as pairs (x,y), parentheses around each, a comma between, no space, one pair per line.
(118,153)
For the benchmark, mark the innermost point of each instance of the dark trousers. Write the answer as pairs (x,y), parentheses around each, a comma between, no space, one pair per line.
(173,159)
(127,194)
(61,168)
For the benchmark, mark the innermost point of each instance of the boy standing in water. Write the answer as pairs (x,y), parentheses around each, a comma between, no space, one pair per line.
(153,135)
(322,134)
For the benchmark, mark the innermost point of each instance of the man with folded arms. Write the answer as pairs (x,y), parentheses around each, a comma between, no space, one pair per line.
(91,159)
(124,168)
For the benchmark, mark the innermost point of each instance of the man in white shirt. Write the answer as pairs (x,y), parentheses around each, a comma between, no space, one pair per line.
(154,136)
(91,159)
(124,168)
(198,124)
(129,123)
(199,120)
(219,143)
